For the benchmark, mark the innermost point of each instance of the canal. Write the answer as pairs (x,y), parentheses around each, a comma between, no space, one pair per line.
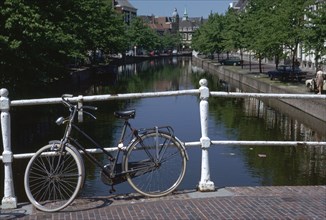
(229,119)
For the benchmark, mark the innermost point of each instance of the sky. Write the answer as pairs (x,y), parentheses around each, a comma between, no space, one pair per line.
(195,8)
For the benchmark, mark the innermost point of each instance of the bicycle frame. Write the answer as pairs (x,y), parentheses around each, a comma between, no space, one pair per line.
(113,159)
(153,161)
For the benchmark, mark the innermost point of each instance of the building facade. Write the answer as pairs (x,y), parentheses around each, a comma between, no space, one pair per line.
(187,27)
(124,7)
(184,27)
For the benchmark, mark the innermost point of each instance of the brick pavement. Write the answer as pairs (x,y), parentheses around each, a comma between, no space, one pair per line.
(283,202)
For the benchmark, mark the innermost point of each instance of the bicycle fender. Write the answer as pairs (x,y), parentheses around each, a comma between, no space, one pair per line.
(55,142)
(71,146)
(183,147)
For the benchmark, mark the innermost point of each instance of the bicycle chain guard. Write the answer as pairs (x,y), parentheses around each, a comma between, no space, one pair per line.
(118,178)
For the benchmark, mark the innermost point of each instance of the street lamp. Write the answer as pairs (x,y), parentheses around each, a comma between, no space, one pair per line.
(135,47)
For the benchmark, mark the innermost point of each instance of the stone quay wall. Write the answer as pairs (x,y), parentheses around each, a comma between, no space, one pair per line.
(310,112)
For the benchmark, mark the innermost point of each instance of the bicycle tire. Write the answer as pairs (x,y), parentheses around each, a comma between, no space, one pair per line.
(53,178)
(151,171)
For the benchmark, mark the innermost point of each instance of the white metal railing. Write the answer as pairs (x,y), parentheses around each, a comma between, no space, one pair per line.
(205,184)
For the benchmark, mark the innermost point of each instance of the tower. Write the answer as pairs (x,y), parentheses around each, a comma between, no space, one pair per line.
(185,15)
(175,16)
(175,21)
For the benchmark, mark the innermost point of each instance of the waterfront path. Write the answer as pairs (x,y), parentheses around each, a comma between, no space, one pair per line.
(276,202)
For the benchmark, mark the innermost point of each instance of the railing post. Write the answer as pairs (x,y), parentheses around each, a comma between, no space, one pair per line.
(205,183)
(9,200)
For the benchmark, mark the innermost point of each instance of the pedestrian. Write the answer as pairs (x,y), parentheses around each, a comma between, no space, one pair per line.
(319,81)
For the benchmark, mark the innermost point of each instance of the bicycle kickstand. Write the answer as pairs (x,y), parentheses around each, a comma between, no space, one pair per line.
(112,190)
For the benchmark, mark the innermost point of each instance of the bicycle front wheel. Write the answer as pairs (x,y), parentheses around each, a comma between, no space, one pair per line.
(54,177)
(155,164)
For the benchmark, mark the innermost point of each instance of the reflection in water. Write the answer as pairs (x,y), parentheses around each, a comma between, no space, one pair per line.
(290,128)
(229,119)
(308,162)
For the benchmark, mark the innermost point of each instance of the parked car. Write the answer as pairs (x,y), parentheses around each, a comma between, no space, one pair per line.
(233,61)
(312,85)
(286,73)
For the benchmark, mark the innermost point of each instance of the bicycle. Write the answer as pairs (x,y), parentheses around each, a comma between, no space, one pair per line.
(153,162)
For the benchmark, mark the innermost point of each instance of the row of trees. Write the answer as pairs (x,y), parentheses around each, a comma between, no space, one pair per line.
(269,29)
(39,38)
(143,37)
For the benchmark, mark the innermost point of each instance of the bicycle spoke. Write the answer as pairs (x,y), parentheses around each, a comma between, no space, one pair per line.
(53,179)
(165,172)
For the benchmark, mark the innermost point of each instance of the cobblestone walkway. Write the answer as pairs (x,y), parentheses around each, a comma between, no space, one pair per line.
(284,202)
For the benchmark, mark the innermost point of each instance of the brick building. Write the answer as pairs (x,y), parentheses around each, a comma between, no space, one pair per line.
(125,8)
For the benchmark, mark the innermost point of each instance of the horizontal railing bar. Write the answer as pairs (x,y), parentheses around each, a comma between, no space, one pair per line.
(94,151)
(44,101)
(191,144)
(198,143)
(270,143)
(94,98)
(267,95)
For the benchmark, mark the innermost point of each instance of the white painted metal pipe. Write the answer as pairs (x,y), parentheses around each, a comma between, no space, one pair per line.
(270,143)
(92,151)
(94,98)
(213,143)
(266,95)
(205,183)
(9,200)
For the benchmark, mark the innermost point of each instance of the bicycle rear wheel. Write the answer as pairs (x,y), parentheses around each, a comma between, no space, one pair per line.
(155,163)
(53,177)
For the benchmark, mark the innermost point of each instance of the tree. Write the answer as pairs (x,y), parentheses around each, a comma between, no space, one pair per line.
(33,44)
(141,36)
(39,38)
(292,24)
(233,31)
(215,30)
(208,38)
(261,29)
(316,31)
(170,41)
(98,27)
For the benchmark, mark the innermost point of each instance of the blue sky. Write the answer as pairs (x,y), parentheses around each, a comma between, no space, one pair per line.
(195,8)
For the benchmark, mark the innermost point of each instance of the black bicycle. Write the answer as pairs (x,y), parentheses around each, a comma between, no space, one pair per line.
(153,162)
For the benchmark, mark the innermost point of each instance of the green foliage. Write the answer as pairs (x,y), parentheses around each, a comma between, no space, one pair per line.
(233,32)
(316,31)
(141,35)
(169,41)
(292,23)
(208,38)
(271,29)
(38,38)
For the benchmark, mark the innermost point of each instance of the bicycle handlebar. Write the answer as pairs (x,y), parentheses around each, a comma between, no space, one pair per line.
(65,101)
(71,107)
(88,113)
(89,107)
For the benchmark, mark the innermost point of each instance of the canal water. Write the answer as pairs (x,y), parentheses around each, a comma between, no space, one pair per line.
(229,119)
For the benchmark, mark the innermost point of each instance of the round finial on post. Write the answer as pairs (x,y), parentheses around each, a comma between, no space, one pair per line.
(204,91)
(203,82)
(4,92)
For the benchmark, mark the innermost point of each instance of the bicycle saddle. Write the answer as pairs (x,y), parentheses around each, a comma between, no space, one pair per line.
(127,114)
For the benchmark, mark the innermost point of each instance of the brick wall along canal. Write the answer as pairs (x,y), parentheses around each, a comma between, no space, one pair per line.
(229,119)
